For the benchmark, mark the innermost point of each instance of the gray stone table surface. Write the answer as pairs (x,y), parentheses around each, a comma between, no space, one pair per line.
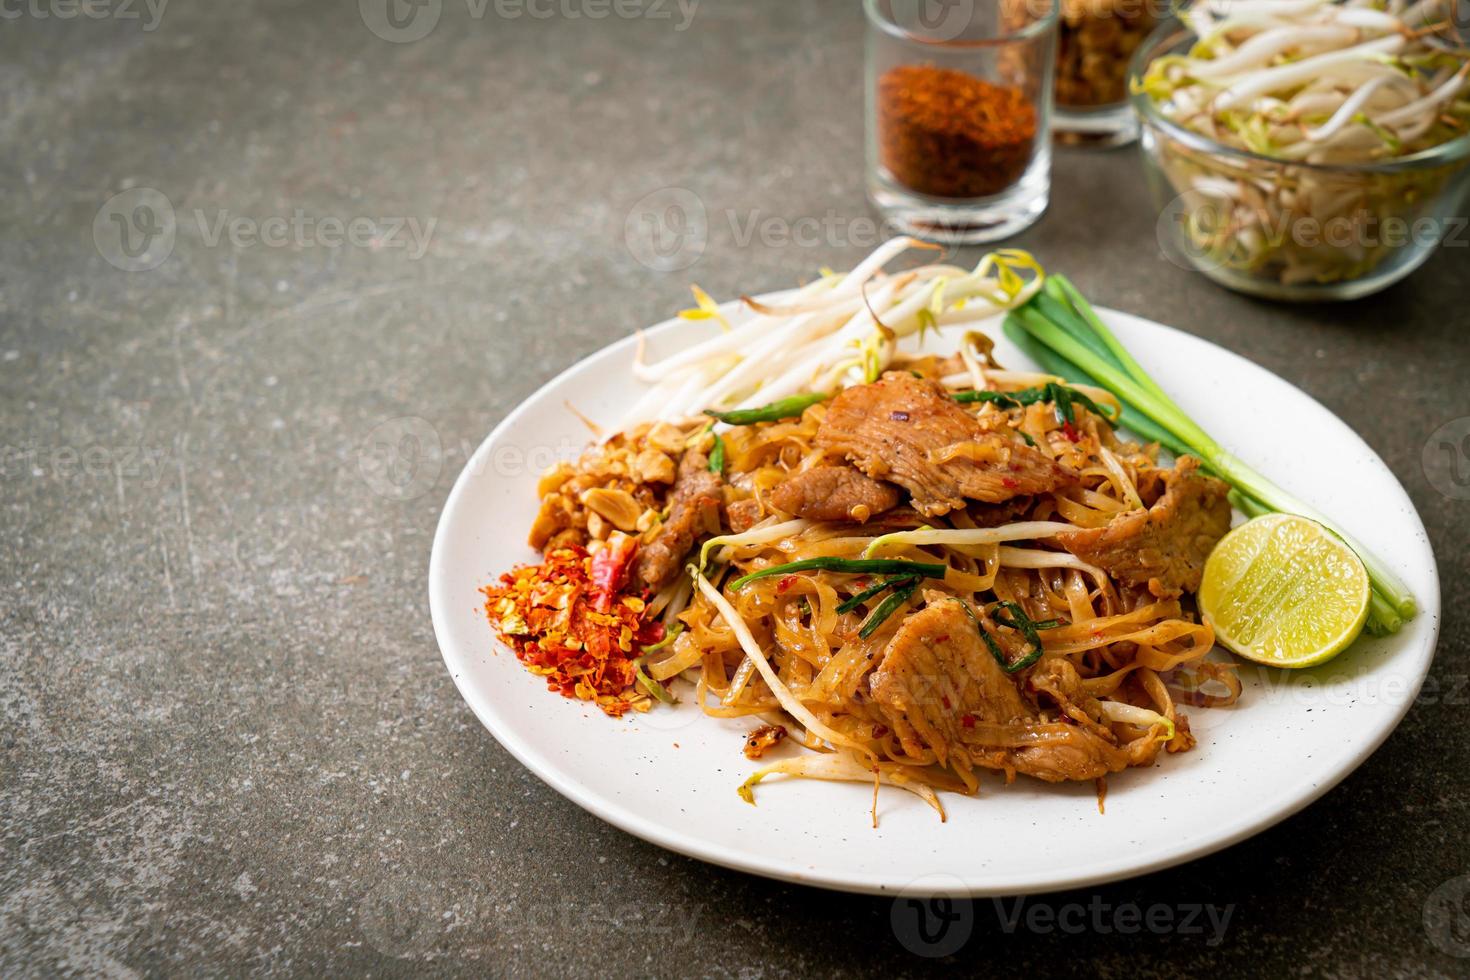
(227,741)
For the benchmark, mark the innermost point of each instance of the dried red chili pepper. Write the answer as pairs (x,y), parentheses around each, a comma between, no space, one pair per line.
(610,568)
(946,133)
(565,627)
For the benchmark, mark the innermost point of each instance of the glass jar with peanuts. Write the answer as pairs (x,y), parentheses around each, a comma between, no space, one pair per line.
(1095,41)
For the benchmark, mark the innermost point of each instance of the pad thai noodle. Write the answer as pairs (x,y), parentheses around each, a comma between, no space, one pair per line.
(921,567)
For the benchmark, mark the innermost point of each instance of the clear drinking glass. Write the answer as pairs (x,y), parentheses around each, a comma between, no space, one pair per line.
(959,115)
(1096,41)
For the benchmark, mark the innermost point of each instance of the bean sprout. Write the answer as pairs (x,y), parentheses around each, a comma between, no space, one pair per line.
(830,334)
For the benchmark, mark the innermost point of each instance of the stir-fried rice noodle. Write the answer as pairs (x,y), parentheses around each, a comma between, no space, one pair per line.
(780,642)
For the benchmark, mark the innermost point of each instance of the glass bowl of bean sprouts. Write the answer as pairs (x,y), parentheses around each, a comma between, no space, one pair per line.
(1306,149)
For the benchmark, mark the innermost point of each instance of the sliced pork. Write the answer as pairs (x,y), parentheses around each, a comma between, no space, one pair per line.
(694,507)
(940,689)
(834,493)
(909,431)
(937,676)
(1164,547)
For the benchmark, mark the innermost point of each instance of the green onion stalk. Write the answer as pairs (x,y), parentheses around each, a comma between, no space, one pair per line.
(1060,329)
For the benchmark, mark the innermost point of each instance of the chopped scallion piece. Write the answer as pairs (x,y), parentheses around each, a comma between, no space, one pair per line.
(669,637)
(851,566)
(1059,395)
(1028,630)
(853,602)
(887,608)
(786,408)
(717,456)
(652,686)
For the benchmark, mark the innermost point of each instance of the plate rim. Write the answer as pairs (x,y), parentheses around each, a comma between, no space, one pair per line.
(672,838)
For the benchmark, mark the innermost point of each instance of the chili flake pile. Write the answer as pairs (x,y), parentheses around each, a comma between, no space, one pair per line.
(566,622)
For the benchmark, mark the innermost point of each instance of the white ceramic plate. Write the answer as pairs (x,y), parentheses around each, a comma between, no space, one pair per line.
(670,776)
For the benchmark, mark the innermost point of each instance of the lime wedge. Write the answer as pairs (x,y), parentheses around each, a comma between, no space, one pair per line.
(1284,591)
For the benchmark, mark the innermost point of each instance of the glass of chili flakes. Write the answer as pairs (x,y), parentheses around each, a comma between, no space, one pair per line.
(959,97)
